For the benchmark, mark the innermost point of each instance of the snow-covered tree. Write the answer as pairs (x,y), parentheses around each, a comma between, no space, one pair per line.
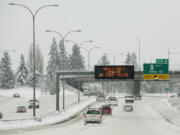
(30,79)
(128,59)
(76,59)
(134,60)
(63,55)
(22,73)
(7,78)
(39,61)
(131,59)
(53,65)
(103,60)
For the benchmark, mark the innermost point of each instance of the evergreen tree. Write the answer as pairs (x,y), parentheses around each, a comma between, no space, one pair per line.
(131,60)
(134,61)
(63,55)
(128,59)
(22,73)
(7,78)
(52,66)
(103,60)
(76,59)
(39,61)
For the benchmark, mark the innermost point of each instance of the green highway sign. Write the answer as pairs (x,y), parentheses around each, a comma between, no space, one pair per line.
(166,89)
(155,68)
(162,61)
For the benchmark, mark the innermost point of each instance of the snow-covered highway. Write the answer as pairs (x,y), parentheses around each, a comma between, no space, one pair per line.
(8,104)
(144,120)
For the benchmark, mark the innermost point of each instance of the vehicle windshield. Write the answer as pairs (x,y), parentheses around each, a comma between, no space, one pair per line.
(129,101)
(106,107)
(93,112)
(112,99)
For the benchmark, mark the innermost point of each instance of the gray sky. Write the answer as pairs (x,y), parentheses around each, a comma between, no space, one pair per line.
(113,25)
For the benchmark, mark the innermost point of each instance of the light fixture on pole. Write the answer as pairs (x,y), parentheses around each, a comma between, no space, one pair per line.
(33,18)
(63,40)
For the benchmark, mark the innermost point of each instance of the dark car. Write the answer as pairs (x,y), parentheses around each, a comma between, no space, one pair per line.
(138,97)
(1,115)
(31,104)
(21,109)
(106,110)
(16,95)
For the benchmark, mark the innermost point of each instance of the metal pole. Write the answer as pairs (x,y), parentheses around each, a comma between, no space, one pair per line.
(34,76)
(34,70)
(57,92)
(78,92)
(88,70)
(139,60)
(63,77)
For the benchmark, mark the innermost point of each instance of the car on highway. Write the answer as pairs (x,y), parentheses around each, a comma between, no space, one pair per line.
(101,98)
(31,103)
(92,115)
(21,109)
(16,95)
(1,115)
(106,110)
(138,97)
(113,101)
(130,97)
(128,107)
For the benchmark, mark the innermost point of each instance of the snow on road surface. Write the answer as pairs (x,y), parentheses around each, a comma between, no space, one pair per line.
(144,120)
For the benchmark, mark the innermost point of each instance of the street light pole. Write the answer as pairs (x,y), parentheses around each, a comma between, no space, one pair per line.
(88,52)
(139,57)
(33,18)
(114,56)
(63,40)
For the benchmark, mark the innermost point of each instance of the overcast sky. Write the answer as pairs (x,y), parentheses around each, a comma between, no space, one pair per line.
(113,25)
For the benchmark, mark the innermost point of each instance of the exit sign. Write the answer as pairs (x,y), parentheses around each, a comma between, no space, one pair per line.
(162,61)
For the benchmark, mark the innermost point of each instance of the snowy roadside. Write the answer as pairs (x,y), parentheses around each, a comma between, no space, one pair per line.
(46,120)
(168,110)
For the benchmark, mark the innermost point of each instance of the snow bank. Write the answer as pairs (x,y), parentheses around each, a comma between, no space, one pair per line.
(27,92)
(169,109)
(57,117)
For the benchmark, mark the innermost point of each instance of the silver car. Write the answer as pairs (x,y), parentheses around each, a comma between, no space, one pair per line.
(101,99)
(113,101)
(92,115)
(128,107)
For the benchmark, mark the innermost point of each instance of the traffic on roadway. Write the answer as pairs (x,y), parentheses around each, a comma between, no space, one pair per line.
(143,119)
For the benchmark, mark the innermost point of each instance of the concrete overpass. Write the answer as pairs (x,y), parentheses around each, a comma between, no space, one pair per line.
(89,76)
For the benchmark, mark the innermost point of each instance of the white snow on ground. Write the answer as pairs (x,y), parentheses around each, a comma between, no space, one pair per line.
(169,108)
(46,120)
(174,101)
(27,92)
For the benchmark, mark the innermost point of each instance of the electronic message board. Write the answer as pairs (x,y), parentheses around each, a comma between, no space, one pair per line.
(114,72)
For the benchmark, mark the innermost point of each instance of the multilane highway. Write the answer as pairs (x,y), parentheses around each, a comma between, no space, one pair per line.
(144,120)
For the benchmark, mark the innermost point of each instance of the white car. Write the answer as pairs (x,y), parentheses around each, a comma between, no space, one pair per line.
(113,101)
(101,98)
(132,97)
(92,115)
